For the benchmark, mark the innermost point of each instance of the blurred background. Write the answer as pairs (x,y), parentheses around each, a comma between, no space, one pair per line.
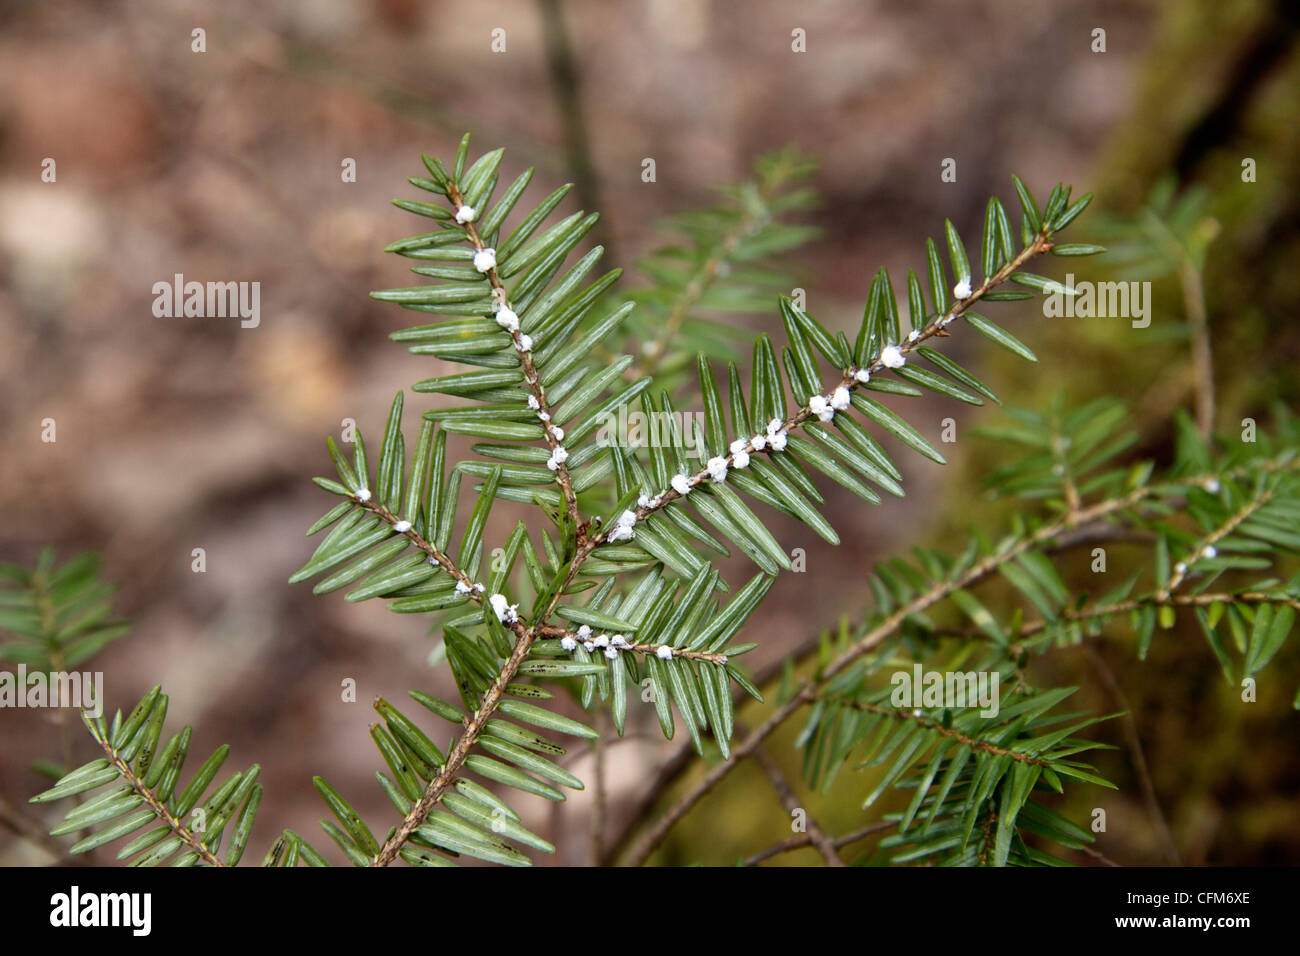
(176,434)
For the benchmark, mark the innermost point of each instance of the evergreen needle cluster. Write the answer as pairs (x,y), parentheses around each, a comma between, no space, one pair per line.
(612,584)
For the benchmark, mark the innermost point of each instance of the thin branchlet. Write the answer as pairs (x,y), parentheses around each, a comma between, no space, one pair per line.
(524,347)
(191,840)
(808,691)
(822,407)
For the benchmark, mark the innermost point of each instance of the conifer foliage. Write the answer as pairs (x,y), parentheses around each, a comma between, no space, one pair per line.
(611,580)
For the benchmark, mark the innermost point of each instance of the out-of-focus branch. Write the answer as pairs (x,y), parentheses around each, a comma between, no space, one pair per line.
(816,835)
(1136,754)
(804,839)
(568,103)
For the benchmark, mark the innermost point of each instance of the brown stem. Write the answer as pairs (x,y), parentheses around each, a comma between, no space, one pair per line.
(1094,611)
(1202,356)
(524,637)
(1225,529)
(949,732)
(474,726)
(425,545)
(1136,754)
(568,104)
(1193,289)
(1098,856)
(682,759)
(816,835)
(187,836)
(531,378)
(650,840)
(807,692)
(937,326)
(803,840)
(26,827)
(1078,525)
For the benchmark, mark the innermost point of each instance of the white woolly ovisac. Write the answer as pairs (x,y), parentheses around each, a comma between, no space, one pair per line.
(739,445)
(681,484)
(402,527)
(840,398)
(622,530)
(462,587)
(1210,551)
(740,459)
(584,631)
(618,640)
(525,342)
(862,375)
(818,405)
(774,426)
(558,457)
(962,289)
(508,319)
(602,641)
(717,468)
(611,652)
(568,643)
(466,214)
(892,357)
(913,335)
(556,432)
(362,494)
(664,652)
(485,259)
(777,441)
(506,612)
(533,403)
